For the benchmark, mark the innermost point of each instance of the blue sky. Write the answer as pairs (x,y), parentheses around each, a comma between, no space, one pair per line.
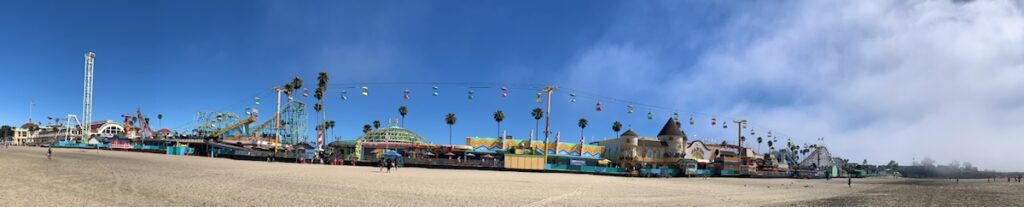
(857,73)
(177,58)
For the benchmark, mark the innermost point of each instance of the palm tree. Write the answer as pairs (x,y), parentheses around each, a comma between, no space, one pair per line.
(770,148)
(537,114)
(296,83)
(287,88)
(402,110)
(450,120)
(330,125)
(321,87)
(583,124)
(498,117)
(160,120)
(376,124)
(616,126)
(366,128)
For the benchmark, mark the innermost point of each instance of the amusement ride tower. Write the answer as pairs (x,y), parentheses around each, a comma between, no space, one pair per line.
(87,98)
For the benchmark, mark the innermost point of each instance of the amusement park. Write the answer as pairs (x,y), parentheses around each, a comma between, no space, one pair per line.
(511,103)
(283,135)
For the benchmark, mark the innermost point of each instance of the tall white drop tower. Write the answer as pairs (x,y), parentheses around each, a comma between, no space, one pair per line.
(87,98)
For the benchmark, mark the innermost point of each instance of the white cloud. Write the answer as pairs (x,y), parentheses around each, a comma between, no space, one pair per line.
(880,80)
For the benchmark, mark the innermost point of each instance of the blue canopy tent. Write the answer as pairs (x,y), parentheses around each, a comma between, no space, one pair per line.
(391,154)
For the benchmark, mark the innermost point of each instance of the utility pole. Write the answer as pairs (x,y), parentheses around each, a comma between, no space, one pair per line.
(277,121)
(87,97)
(739,131)
(547,121)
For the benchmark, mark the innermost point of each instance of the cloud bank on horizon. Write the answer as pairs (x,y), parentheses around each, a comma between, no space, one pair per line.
(879,80)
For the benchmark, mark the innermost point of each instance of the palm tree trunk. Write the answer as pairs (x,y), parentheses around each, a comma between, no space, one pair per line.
(449,134)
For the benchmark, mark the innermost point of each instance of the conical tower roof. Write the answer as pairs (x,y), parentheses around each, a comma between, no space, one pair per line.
(629,133)
(670,129)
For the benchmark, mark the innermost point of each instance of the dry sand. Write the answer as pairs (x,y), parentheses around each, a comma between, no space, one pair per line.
(77,177)
(930,192)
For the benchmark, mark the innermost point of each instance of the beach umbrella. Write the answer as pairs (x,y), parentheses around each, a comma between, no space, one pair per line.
(488,156)
(449,154)
(470,155)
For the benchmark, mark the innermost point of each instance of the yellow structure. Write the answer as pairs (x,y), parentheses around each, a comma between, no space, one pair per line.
(524,162)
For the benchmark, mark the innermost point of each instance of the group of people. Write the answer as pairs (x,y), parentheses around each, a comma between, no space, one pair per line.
(388,163)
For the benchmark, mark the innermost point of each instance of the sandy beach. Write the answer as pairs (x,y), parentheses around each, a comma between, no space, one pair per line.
(77,177)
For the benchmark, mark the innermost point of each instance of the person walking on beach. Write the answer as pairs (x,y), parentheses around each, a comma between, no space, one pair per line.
(849,181)
(49,153)
(389,163)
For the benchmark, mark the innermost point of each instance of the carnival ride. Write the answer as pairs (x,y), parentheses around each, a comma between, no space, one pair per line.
(228,127)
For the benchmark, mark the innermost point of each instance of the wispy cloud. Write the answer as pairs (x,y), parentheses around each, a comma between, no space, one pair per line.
(880,80)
